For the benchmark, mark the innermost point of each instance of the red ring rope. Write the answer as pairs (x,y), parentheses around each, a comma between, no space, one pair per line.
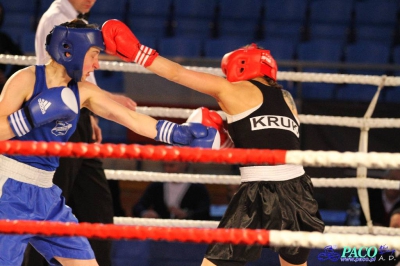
(111,231)
(144,152)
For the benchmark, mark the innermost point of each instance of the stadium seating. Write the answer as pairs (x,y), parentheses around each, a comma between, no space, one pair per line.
(284,19)
(103,8)
(367,53)
(375,33)
(216,48)
(180,47)
(375,21)
(281,49)
(150,18)
(291,29)
(325,31)
(18,6)
(336,12)
(364,54)
(193,18)
(382,13)
(330,20)
(392,94)
(240,18)
(321,51)
(285,10)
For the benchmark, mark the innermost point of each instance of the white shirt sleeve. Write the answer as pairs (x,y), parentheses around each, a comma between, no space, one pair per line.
(60,11)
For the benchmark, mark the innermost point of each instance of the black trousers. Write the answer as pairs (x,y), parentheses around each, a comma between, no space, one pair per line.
(87,192)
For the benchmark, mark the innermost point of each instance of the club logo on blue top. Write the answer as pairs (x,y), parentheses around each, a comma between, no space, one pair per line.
(61,128)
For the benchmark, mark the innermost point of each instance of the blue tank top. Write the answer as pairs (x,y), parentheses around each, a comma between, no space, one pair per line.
(58,131)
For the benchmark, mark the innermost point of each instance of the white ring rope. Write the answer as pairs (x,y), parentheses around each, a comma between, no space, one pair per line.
(356,236)
(322,240)
(359,230)
(350,121)
(342,121)
(344,159)
(362,230)
(282,75)
(128,175)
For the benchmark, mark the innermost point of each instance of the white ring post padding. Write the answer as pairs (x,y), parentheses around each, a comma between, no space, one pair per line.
(128,175)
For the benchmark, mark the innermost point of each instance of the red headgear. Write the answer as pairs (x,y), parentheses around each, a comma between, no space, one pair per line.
(248,63)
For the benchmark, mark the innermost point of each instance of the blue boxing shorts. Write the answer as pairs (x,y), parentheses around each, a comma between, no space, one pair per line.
(27,193)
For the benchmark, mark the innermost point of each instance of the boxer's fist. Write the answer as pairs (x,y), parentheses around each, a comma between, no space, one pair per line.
(212,119)
(52,104)
(188,134)
(204,137)
(120,41)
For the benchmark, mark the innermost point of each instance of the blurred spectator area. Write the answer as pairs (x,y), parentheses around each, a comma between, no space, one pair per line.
(341,36)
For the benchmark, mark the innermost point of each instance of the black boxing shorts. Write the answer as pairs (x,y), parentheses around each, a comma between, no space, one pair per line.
(272,205)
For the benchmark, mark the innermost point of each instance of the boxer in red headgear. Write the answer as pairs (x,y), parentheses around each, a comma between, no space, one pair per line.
(248,63)
(260,115)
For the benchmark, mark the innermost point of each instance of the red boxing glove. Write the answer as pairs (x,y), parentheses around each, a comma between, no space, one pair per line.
(212,119)
(120,41)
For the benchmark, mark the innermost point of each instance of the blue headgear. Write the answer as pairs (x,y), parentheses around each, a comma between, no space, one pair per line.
(76,42)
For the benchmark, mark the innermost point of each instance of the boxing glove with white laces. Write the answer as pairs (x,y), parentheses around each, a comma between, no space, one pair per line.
(188,134)
(120,41)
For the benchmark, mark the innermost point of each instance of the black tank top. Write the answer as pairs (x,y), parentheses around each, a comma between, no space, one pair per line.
(271,126)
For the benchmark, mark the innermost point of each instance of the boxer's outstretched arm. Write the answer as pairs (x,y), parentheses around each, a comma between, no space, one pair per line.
(120,41)
(98,101)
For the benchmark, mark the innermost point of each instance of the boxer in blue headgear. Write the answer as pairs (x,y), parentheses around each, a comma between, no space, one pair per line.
(43,103)
(68,46)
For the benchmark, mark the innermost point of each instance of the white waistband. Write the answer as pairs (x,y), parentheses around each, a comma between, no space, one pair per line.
(25,173)
(271,172)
